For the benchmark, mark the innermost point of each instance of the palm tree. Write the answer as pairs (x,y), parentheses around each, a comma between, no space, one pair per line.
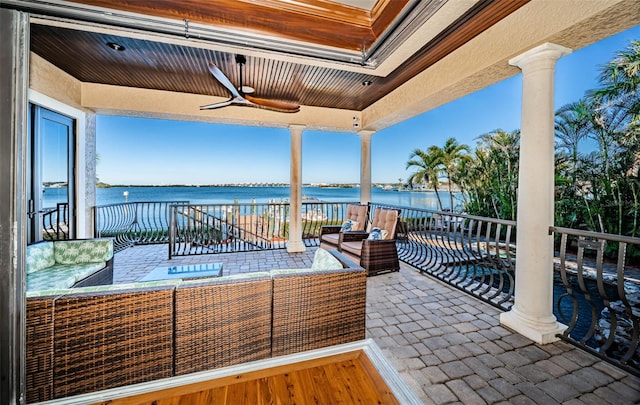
(449,159)
(573,123)
(427,170)
(502,149)
(620,79)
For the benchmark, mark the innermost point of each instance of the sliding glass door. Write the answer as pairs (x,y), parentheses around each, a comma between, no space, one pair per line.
(51,180)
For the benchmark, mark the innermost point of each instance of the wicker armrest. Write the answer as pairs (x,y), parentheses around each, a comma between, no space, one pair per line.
(325,229)
(379,255)
(352,236)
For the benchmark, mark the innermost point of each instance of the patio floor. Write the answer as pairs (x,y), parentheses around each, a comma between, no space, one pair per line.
(448,346)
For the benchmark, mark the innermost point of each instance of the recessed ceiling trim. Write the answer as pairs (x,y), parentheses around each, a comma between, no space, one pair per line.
(389,41)
(186,29)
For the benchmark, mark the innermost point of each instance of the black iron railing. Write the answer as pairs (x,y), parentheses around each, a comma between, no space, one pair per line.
(598,294)
(224,228)
(596,291)
(55,222)
(474,254)
(134,223)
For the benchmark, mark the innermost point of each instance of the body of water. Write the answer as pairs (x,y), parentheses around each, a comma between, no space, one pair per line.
(220,195)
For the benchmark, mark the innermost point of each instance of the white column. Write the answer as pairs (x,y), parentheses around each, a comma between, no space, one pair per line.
(295,243)
(532,312)
(365,166)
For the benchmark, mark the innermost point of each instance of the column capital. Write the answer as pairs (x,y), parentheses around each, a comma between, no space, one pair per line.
(365,133)
(546,52)
(297,128)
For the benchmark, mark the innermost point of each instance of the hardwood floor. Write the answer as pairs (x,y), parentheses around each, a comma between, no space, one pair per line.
(348,378)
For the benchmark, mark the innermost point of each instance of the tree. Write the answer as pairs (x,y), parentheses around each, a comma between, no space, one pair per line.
(449,159)
(427,170)
(494,173)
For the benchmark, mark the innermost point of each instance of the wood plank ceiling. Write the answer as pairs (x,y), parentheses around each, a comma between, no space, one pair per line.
(176,67)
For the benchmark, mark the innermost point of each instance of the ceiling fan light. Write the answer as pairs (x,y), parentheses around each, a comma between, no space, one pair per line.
(247,90)
(367,83)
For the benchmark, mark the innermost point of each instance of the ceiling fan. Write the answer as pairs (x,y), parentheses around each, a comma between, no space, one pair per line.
(239,96)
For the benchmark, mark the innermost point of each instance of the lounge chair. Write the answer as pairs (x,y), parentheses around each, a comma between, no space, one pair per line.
(330,234)
(375,255)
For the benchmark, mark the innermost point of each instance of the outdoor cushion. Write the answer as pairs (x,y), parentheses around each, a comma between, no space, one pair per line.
(83,251)
(102,288)
(324,260)
(385,219)
(354,248)
(40,256)
(331,238)
(224,279)
(53,278)
(358,214)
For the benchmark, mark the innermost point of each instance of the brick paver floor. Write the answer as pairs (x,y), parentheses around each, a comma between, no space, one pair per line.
(447,345)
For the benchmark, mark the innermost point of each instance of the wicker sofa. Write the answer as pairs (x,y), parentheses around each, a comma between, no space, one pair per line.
(69,263)
(88,339)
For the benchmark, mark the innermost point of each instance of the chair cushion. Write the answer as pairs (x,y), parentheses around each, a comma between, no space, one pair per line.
(386,220)
(354,248)
(324,260)
(40,256)
(57,276)
(331,238)
(83,251)
(358,214)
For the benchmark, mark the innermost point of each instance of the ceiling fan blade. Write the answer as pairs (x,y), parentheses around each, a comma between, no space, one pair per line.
(280,106)
(217,73)
(217,105)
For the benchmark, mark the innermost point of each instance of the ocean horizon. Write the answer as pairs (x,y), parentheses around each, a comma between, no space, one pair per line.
(258,194)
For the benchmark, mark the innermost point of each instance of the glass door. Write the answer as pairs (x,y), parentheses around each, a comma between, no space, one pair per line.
(51,181)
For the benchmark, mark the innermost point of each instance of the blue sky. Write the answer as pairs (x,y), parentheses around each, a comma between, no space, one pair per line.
(148,151)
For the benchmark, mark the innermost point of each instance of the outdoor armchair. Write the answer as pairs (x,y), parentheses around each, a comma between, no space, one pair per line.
(375,255)
(357,214)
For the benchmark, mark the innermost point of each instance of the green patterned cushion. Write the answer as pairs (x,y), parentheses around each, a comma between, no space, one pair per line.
(40,256)
(51,279)
(80,271)
(83,251)
(102,288)
(324,260)
(225,279)
(284,272)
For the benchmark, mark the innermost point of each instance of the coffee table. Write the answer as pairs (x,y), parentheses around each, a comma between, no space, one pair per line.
(184,271)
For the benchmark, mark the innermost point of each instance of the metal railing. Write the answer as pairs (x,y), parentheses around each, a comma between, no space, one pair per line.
(134,222)
(55,222)
(595,294)
(600,296)
(473,254)
(239,227)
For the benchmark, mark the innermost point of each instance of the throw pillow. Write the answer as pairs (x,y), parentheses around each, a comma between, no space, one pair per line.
(324,260)
(349,225)
(375,234)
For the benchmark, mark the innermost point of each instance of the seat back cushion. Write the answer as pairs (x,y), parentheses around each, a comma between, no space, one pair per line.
(40,256)
(323,260)
(358,214)
(83,251)
(385,220)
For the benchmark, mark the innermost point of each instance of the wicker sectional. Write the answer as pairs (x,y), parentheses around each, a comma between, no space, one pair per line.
(88,339)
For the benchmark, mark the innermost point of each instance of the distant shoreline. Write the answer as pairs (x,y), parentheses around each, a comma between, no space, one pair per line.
(384,186)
